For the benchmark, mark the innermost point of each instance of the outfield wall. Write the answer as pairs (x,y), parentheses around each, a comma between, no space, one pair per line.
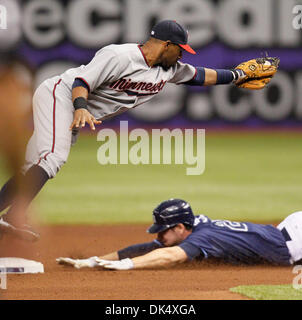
(54,35)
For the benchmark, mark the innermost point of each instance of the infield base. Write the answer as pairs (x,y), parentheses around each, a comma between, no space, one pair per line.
(20,265)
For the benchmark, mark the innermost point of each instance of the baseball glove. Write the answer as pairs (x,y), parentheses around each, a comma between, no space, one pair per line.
(258,72)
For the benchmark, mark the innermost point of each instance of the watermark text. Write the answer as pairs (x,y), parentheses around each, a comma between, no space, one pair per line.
(158,146)
(3,17)
(297,281)
(297,21)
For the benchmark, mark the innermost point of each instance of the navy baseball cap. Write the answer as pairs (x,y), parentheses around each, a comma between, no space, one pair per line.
(171,30)
(170,213)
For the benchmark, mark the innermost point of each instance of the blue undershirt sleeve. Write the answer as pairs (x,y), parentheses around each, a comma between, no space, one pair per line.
(78,82)
(139,249)
(198,79)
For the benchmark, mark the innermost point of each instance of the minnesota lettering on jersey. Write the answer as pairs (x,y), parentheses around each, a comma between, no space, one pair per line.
(128,85)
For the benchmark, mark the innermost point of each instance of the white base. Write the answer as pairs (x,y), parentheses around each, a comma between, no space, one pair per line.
(20,265)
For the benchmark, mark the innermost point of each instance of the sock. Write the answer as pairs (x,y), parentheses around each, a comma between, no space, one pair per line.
(33,181)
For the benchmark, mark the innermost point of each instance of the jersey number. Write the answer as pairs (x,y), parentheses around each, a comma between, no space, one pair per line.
(232,225)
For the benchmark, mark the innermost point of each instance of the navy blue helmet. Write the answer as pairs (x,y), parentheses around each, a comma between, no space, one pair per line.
(170,213)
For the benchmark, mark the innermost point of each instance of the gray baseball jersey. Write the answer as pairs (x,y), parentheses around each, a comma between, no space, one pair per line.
(119,78)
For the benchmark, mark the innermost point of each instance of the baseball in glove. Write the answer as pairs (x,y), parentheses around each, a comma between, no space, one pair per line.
(258,72)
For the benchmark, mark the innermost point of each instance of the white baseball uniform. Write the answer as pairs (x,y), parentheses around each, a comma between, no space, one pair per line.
(293,225)
(118,77)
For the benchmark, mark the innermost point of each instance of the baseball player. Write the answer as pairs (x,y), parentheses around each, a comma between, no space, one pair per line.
(181,237)
(15,93)
(118,78)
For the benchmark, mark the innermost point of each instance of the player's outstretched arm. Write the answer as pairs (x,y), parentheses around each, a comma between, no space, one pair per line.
(163,257)
(128,252)
(208,77)
(254,74)
(158,258)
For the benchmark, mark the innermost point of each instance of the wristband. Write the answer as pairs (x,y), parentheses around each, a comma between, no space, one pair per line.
(224,76)
(229,76)
(80,103)
(238,75)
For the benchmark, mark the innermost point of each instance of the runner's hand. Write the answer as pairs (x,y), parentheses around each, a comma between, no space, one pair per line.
(124,264)
(78,263)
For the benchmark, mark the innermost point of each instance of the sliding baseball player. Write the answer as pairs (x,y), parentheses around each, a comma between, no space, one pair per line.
(182,236)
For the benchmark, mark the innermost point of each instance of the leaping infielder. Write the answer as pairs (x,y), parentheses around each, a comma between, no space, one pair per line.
(118,78)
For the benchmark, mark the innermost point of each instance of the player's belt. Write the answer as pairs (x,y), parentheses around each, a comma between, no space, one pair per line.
(286,235)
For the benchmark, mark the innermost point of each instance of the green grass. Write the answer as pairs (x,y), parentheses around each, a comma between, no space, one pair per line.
(250,177)
(269,292)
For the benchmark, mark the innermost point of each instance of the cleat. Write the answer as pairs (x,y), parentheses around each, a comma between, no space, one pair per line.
(23,233)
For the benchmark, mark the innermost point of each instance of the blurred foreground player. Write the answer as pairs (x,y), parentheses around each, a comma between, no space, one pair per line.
(181,237)
(15,88)
(118,78)
(15,103)
(15,109)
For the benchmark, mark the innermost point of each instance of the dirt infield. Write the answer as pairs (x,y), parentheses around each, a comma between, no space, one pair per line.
(195,281)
